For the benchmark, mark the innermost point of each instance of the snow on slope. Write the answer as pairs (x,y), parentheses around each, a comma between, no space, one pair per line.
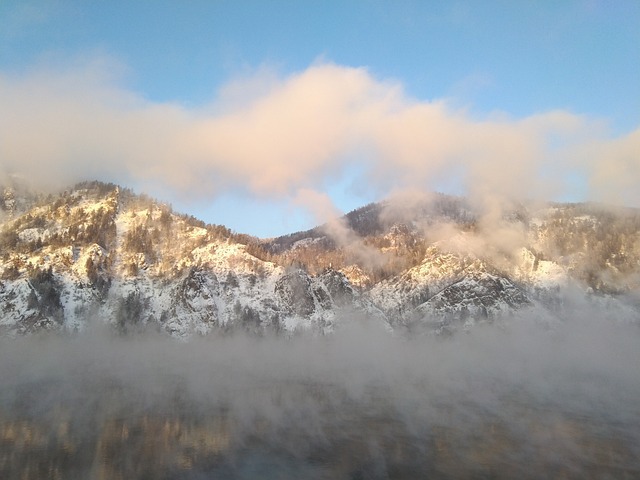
(103,254)
(156,270)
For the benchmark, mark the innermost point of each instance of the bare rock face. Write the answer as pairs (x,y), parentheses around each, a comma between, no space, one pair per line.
(477,297)
(294,291)
(478,293)
(193,303)
(340,291)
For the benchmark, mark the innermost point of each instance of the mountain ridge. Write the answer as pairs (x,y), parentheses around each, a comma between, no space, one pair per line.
(98,250)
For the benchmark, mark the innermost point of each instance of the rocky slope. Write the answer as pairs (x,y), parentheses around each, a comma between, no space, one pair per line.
(101,254)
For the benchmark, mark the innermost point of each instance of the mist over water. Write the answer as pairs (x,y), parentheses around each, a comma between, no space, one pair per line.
(515,401)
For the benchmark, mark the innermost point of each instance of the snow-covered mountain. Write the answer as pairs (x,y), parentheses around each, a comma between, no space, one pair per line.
(100,254)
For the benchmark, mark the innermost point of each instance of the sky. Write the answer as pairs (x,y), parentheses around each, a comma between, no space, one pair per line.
(273,116)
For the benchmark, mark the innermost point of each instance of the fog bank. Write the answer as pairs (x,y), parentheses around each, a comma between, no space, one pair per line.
(521,400)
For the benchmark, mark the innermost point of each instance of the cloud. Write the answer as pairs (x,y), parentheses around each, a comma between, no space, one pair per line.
(615,167)
(335,226)
(277,135)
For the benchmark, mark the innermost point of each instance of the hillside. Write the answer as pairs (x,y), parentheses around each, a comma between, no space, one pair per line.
(100,253)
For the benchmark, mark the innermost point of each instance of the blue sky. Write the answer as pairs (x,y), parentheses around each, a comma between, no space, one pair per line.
(540,73)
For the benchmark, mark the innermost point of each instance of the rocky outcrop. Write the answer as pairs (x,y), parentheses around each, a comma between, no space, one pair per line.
(477,297)
(295,293)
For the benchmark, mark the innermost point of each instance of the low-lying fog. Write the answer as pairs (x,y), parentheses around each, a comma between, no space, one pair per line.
(522,401)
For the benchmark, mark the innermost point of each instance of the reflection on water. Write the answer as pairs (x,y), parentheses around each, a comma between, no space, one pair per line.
(342,439)
(361,408)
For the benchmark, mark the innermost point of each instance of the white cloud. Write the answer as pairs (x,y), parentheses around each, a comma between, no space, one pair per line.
(276,136)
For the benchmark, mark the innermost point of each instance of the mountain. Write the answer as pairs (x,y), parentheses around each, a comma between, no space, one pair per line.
(100,254)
